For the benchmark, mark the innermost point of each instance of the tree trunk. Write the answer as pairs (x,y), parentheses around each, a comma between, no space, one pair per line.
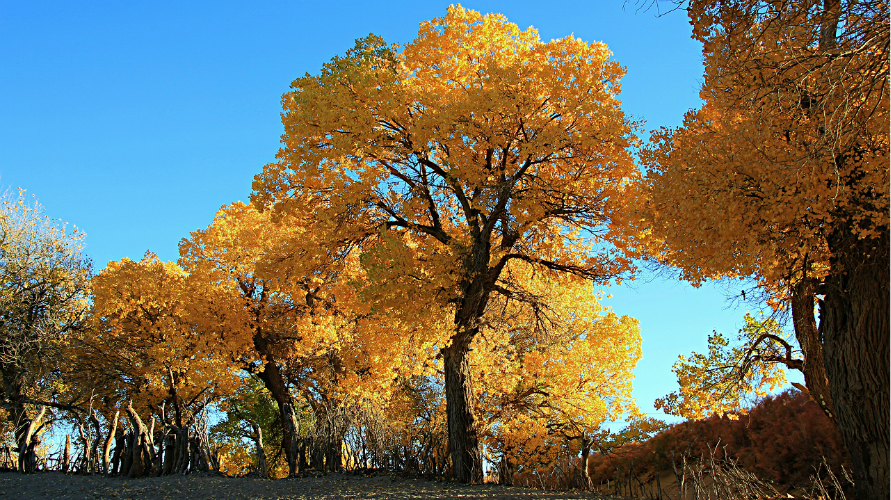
(106,463)
(808,336)
(120,446)
(261,452)
(275,383)
(169,441)
(127,453)
(142,451)
(27,439)
(463,440)
(586,452)
(856,329)
(506,469)
(87,440)
(291,433)
(94,453)
(66,457)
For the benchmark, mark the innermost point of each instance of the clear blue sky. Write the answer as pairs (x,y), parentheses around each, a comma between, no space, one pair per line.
(136,121)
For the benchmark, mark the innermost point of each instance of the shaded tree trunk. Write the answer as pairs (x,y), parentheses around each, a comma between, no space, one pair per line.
(142,450)
(586,452)
(274,382)
(27,438)
(120,446)
(169,452)
(856,330)
(463,440)
(126,452)
(257,436)
(808,336)
(87,440)
(506,470)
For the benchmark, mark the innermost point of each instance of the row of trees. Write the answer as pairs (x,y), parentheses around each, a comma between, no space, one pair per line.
(443,207)
(245,321)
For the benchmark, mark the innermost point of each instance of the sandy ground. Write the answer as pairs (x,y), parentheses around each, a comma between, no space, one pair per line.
(56,485)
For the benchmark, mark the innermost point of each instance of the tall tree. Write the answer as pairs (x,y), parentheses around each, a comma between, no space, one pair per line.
(306,332)
(44,284)
(552,365)
(481,142)
(783,175)
(157,346)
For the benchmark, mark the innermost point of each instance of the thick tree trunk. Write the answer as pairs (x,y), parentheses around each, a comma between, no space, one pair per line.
(120,446)
(257,436)
(290,437)
(506,470)
(275,383)
(169,441)
(463,440)
(585,475)
(808,336)
(856,331)
(127,453)
(27,439)
(142,451)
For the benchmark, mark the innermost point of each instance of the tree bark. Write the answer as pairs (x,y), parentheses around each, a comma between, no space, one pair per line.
(463,440)
(856,352)
(120,446)
(66,457)
(275,383)
(808,335)
(27,439)
(107,450)
(586,452)
(169,441)
(141,451)
(261,451)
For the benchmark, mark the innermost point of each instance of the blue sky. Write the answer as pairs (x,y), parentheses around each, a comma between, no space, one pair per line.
(136,121)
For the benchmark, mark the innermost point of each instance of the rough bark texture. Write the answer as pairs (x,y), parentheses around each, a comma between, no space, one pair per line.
(142,450)
(856,351)
(27,439)
(463,440)
(120,446)
(261,452)
(275,383)
(290,438)
(585,475)
(811,343)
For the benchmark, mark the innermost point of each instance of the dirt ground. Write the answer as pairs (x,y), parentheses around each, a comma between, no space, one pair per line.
(56,485)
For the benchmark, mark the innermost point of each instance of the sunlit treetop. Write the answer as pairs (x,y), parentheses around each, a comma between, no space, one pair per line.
(789,153)
(476,131)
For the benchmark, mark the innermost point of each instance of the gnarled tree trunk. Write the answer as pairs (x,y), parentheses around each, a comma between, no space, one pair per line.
(142,453)
(463,440)
(106,451)
(274,382)
(808,336)
(27,438)
(257,436)
(856,330)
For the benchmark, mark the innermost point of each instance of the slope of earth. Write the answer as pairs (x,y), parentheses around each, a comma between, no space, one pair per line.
(56,485)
